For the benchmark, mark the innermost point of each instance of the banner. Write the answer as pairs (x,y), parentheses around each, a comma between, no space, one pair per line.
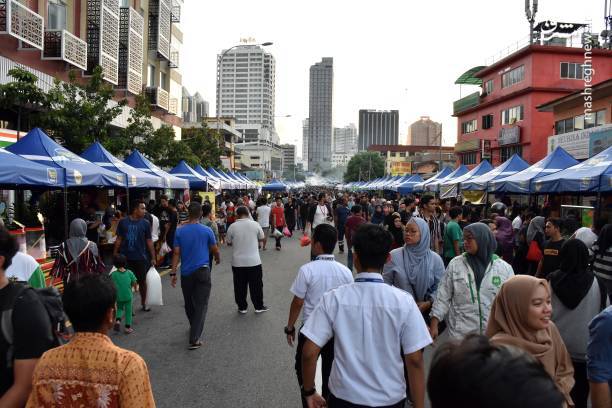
(474,197)
(208,196)
(401,168)
(448,191)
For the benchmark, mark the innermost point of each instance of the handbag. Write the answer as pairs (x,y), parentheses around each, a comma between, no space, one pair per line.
(534,254)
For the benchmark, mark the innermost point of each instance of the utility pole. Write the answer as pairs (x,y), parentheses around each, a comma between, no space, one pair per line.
(530,12)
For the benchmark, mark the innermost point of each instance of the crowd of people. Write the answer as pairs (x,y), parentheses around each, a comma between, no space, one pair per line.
(521,296)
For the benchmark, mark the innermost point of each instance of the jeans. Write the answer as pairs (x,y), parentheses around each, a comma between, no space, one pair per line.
(248,278)
(580,392)
(327,359)
(196,292)
(341,237)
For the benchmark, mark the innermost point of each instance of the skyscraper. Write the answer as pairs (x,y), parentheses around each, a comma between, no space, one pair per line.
(288,151)
(378,127)
(195,108)
(246,89)
(320,115)
(305,143)
(424,132)
(345,140)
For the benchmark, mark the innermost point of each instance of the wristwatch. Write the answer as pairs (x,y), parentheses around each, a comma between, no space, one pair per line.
(307,393)
(288,330)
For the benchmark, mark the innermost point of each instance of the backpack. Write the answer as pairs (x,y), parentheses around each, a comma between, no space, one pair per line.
(61,328)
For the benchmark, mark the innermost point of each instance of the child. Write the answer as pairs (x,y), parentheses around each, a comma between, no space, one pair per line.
(220,220)
(124,281)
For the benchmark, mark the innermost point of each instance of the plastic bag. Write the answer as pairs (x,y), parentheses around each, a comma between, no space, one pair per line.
(305,241)
(154,288)
(286,232)
(165,249)
(276,233)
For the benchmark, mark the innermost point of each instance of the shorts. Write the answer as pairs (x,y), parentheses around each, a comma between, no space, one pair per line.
(140,269)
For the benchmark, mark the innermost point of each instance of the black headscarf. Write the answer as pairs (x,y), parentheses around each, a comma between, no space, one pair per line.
(398,233)
(486,248)
(573,280)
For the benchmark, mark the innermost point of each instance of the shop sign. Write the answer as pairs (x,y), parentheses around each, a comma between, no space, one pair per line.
(509,135)
(486,150)
(578,143)
(401,168)
(467,145)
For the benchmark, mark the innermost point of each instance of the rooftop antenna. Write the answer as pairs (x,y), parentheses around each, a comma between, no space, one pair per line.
(530,12)
(607,33)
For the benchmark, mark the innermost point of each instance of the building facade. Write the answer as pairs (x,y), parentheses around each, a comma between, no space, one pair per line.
(502,118)
(320,113)
(137,44)
(195,108)
(583,133)
(378,128)
(425,132)
(289,156)
(340,159)
(305,143)
(401,159)
(246,78)
(261,156)
(345,140)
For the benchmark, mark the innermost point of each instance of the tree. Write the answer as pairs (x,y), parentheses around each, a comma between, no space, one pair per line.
(80,114)
(139,128)
(22,95)
(364,166)
(205,143)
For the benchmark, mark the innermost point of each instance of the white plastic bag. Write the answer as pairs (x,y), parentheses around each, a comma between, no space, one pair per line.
(165,249)
(276,233)
(154,288)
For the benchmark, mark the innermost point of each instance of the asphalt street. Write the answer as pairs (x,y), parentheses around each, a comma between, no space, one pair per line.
(245,360)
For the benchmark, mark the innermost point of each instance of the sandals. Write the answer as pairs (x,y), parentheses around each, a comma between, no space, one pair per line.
(128,330)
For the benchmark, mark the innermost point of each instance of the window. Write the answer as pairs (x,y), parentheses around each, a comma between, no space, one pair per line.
(124,3)
(507,152)
(513,76)
(163,80)
(469,126)
(151,76)
(487,121)
(569,125)
(56,15)
(600,117)
(488,87)
(579,122)
(571,70)
(468,158)
(512,115)
(402,154)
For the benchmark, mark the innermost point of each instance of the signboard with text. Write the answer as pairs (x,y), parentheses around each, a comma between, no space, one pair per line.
(401,168)
(467,145)
(486,150)
(578,143)
(509,135)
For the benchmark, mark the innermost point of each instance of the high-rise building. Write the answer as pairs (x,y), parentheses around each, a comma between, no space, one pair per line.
(345,140)
(305,143)
(135,42)
(195,108)
(320,115)
(425,132)
(245,90)
(288,151)
(378,127)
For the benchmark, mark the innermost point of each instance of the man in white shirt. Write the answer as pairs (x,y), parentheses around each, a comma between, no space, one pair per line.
(314,280)
(244,236)
(370,322)
(263,218)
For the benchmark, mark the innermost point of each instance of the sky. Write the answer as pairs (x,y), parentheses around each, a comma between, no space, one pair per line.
(388,54)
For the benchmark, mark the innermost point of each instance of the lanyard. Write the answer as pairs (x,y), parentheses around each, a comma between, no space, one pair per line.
(326,258)
(369,280)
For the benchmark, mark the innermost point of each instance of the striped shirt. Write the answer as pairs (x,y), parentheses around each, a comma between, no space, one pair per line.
(435,230)
(602,265)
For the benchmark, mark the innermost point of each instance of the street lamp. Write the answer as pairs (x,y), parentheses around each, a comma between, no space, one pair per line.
(220,72)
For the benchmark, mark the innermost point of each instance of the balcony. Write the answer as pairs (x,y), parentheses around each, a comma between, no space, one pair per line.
(61,45)
(103,38)
(22,23)
(158,97)
(175,13)
(131,50)
(173,106)
(466,103)
(160,21)
(174,58)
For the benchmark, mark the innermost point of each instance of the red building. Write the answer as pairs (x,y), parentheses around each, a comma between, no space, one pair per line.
(502,118)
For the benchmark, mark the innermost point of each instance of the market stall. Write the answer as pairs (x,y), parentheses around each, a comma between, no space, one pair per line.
(451,187)
(185,171)
(434,186)
(438,176)
(137,159)
(408,186)
(511,166)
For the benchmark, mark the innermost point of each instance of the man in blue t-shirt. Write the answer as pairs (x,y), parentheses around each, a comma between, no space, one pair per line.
(134,241)
(192,244)
(599,359)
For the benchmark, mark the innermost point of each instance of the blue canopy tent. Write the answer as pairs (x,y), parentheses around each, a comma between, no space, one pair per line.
(434,186)
(591,176)
(511,166)
(399,180)
(275,185)
(438,176)
(250,183)
(15,171)
(97,154)
(238,183)
(76,171)
(212,181)
(523,181)
(185,171)
(407,186)
(225,183)
(389,184)
(137,159)
(450,188)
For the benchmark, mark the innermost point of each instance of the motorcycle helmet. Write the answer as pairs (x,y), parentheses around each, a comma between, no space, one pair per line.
(499,208)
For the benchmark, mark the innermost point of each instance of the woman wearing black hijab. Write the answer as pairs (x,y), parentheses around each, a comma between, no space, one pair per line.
(576,299)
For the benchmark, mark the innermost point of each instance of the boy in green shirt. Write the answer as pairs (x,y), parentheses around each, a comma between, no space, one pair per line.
(124,281)
(453,236)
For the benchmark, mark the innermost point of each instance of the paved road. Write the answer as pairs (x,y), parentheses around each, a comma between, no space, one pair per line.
(245,360)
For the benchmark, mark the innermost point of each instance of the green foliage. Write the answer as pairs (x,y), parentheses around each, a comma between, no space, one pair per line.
(364,166)
(205,144)
(22,95)
(80,114)
(139,128)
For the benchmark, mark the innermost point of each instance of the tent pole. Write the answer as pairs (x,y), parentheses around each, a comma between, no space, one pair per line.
(66,235)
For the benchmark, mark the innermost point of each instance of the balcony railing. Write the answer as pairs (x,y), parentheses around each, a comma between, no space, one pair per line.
(131,50)
(160,21)
(64,46)
(22,23)
(176,12)
(173,106)
(158,97)
(174,58)
(466,103)
(103,38)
